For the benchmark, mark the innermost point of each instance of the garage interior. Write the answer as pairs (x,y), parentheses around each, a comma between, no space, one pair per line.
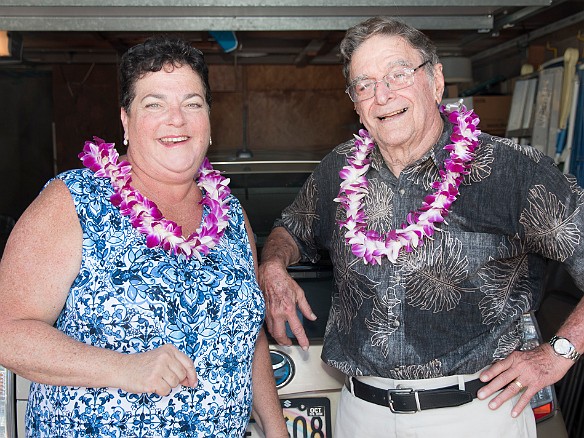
(275,75)
(274,68)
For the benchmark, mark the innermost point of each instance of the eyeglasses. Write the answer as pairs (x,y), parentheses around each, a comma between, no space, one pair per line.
(394,80)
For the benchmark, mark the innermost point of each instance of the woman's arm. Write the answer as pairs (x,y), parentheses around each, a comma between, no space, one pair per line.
(41,260)
(266,404)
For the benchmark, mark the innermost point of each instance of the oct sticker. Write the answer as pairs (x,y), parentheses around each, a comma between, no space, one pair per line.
(308,417)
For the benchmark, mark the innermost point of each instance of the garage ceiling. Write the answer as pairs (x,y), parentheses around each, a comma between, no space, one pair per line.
(299,32)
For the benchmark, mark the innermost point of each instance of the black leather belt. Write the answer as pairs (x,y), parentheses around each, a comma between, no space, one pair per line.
(409,400)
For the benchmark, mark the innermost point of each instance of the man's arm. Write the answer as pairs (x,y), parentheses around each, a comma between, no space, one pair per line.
(534,369)
(280,248)
(281,292)
(554,228)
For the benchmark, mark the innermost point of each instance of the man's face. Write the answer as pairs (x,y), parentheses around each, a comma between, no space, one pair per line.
(402,118)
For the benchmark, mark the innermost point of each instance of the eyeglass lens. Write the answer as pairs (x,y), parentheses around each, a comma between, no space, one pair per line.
(394,80)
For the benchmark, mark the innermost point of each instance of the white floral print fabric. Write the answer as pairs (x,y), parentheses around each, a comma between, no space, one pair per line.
(131,299)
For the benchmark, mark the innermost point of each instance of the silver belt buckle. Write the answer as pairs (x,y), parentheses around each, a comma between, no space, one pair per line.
(403,391)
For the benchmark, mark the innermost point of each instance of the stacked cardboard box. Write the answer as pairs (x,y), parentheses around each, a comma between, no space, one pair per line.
(492,110)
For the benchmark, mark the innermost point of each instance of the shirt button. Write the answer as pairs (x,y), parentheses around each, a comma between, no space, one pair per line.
(402,192)
(395,323)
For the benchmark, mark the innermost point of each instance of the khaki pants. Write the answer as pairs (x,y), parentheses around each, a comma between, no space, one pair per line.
(357,418)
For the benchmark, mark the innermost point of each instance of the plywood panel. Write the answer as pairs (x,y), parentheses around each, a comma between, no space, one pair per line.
(224,78)
(304,110)
(305,121)
(226,122)
(285,77)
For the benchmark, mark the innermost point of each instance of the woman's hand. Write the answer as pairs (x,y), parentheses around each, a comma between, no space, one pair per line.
(157,371)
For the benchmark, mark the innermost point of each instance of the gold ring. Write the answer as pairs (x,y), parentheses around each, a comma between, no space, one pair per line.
(518,383)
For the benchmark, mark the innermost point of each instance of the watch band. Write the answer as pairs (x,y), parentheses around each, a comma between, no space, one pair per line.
(571,354)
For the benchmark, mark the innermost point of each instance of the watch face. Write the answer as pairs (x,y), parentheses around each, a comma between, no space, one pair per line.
(562,346)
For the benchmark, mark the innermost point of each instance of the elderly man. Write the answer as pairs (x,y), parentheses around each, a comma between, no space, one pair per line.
(439,235)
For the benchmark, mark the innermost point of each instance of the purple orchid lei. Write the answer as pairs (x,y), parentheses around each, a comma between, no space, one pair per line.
(102,158)
(371,245)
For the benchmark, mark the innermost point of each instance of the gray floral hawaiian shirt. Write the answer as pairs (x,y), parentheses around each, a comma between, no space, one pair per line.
(454,305)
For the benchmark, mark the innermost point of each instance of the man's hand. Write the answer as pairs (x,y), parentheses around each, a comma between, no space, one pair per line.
(283,295)
(523,371)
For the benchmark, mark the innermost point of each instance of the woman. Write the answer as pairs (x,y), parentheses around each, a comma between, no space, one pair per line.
(131,329)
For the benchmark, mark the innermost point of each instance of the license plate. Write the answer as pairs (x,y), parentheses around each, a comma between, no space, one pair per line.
(306,417)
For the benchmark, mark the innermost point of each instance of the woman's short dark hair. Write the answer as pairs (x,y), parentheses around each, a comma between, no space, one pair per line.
(154,54)
(361,32)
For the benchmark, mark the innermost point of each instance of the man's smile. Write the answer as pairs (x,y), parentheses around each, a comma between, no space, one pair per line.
(395,113)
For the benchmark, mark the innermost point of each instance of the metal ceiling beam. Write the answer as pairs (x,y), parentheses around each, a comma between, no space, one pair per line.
(244,15)
(229,22)
(249,11)
(274,3)
(524,40)
(508,20)
(312,50)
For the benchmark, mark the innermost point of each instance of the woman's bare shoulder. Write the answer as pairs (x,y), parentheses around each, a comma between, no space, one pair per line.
(42,256)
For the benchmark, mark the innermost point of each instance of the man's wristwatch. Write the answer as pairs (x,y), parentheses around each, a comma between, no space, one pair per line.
(563,347)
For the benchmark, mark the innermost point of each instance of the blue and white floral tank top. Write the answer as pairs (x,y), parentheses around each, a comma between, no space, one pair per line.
(132,299)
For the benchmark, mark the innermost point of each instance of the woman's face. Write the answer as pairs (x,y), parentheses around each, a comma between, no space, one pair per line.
(168,126)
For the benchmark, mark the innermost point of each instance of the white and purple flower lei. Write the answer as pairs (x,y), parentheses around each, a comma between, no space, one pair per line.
(369,244)
(102,158)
